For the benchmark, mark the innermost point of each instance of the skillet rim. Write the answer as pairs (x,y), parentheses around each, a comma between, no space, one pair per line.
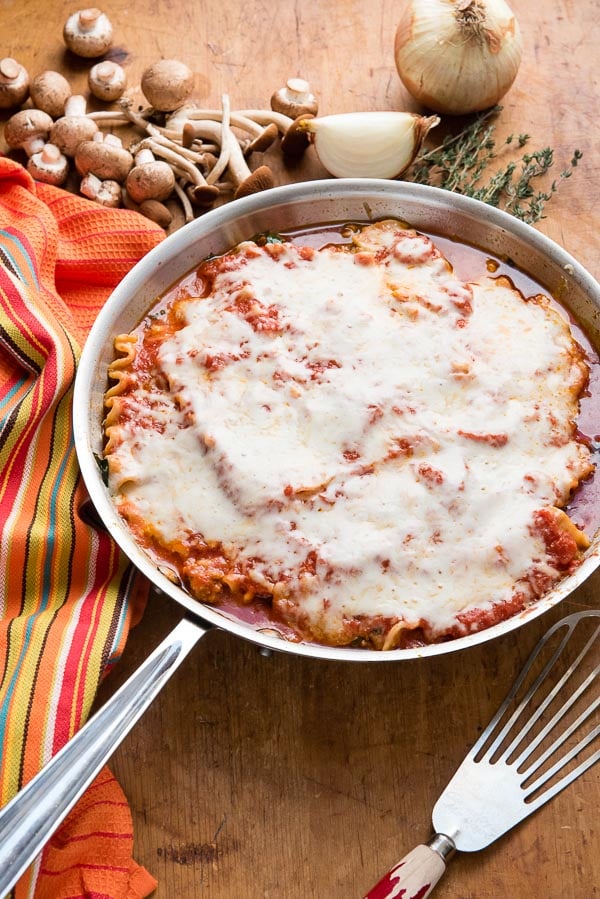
(370,194)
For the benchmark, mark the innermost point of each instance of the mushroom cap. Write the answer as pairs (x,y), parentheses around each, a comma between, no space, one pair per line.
(150,181)
(107,80)
(261,179)
(88,32)
(49,92)
(295,141)
(157,212)
(49,165)
(69,131)
(295,99)
(203,194)
(105,160)
(26,125)
(14,83)
(167,84)
(264,140)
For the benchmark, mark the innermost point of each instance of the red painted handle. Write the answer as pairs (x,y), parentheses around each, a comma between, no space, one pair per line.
(414,877)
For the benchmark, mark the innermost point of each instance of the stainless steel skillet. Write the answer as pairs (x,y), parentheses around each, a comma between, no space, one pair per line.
(28,821)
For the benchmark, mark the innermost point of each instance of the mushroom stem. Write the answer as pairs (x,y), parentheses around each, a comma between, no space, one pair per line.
(261,135)
(107,193)
(188,212)
(266,116)
(109,115)
(194,130)
(138,118)
(227,137)
(76,104)
(158,138)
(236,119)
(247,182)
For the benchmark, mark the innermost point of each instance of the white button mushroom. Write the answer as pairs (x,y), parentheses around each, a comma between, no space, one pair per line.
(14,83)
(50,92)
(49,165)
(107,80)
(167,84)
(105,157)
(74,127)
(28,130)
(88,32)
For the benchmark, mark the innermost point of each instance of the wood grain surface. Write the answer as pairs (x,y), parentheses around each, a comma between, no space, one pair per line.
(287,777)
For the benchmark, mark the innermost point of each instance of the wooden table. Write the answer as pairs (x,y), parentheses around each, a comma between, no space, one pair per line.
(284,777)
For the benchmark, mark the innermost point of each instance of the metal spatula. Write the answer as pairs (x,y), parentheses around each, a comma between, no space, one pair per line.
(540,739)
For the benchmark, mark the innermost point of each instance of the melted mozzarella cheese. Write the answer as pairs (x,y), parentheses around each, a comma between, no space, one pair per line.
(401,426)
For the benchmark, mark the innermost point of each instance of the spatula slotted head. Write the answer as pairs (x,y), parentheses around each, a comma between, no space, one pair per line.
(545,734)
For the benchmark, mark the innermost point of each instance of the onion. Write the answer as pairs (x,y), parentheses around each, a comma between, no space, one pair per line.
(457,56)
(368,144)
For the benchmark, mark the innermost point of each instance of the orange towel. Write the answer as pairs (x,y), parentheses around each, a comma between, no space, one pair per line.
(67,595)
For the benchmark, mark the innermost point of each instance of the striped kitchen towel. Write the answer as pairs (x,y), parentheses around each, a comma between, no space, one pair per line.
(67,595)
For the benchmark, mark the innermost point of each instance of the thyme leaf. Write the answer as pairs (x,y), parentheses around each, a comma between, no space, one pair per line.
(461,163)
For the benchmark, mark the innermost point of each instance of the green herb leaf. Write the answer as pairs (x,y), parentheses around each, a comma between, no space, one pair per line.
(461,162)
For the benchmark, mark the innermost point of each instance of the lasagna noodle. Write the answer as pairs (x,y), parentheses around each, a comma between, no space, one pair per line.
(379,449)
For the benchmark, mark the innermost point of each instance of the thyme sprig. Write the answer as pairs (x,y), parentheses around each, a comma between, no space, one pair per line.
(460,162)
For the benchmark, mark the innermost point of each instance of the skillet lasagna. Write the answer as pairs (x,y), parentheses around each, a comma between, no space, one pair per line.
(378,451)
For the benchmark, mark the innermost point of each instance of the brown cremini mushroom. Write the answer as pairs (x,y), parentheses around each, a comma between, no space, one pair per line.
(74,127)
(28,130)
(295,99)
(14,83)
(167,84)
(50,91)
(150,178)
(105,157)
(88,33)
(49,165)
(200,191)
(157,212)
(107,80)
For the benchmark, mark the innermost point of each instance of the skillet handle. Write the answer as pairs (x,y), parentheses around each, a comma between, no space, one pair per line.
(32,816)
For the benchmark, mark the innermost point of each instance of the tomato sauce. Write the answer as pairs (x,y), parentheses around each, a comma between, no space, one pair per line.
(469,263)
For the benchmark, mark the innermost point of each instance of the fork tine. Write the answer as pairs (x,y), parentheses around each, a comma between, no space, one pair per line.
(557,717)
(568,778)
(518,762)
(491,727)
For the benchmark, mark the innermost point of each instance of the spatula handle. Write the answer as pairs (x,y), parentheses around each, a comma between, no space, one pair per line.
(414,876)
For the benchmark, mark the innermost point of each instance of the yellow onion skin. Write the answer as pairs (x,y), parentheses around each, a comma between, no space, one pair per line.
(451,66)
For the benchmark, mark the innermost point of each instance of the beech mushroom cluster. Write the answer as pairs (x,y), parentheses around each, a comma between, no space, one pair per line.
(178,151)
